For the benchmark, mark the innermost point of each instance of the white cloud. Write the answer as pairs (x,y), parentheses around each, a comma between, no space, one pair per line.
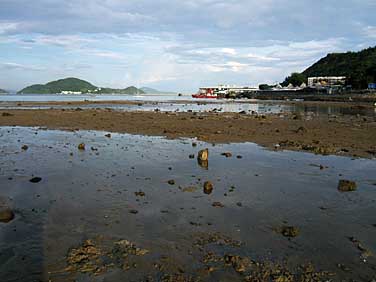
(6,27)
(370,32)
(16,66)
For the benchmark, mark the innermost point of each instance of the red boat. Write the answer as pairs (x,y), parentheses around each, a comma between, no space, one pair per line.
(206,93)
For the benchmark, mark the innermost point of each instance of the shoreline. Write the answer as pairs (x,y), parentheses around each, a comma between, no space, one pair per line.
(342,104)
(327,135)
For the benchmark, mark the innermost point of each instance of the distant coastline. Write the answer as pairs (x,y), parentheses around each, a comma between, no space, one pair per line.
(75,86)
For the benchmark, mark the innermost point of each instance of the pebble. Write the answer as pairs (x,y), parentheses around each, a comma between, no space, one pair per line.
(35,179)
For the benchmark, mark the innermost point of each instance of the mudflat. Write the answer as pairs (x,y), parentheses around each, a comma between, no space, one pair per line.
(322,134)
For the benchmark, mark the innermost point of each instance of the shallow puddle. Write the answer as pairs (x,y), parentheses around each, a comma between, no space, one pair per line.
(109,213)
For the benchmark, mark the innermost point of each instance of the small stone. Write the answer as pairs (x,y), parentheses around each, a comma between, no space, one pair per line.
(301,129)
(217,205)
(239,157)
(171,182)
(346,186)
(194,144)
(81,146)
(140,194)
(239,204)
(227,154)
(133,211)
(192,156)
(35,180)
(6,114)
(208,187)
(203,155)
(24,147)
(6,215)
(108,135)
(289,231)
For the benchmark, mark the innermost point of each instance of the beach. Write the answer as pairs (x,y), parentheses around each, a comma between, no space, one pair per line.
(94,193)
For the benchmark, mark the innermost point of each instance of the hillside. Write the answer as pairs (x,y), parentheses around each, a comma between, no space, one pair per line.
(2,91)
(358,67)
(149,90)
(75,85)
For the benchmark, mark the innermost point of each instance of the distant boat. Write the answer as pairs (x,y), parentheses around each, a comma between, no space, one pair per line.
(205,93)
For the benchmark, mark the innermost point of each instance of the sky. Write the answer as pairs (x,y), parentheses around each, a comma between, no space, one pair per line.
(175,45)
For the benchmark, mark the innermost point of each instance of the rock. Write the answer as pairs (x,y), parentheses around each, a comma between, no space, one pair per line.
(239,264)
(301,129)
(192,156)
(140,194)
(239,204)
(227,154)
(194,144)
(133,211)
(346,186)
(203,155)
(6,215)
(289,231)
(35,180)
(239,157)
(297,116)
(6,114)
(217,205)
(81,146)
(24,147)
(171,182)
(208,187)
(108,135)
(189,189)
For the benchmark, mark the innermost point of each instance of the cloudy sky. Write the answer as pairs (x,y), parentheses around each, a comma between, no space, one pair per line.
(175,45)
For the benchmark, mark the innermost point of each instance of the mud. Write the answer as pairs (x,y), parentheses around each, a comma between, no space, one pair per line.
(320,134)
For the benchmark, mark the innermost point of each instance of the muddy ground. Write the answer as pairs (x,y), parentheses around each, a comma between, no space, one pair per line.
(322,134)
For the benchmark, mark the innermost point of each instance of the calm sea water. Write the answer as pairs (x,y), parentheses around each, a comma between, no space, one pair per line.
(109,97)
(88,194)
(175,103)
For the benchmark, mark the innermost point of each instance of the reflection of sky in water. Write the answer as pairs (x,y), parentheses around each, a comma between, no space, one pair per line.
(84,195)
(165,103)
(57,97)
(230,106)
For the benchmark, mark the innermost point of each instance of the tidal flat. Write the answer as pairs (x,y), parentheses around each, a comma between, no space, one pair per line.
(124,207)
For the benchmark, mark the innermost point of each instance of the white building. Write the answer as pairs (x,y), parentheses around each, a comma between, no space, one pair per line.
(71,92)
(326,81)
(228,89)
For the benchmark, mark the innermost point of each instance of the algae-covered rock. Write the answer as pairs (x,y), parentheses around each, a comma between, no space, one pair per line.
(346,186)
(203,155)
(208,187)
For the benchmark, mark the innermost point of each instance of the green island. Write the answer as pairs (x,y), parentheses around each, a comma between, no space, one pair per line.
(73,85)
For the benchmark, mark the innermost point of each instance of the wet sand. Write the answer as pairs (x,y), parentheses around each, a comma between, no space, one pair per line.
(321,134)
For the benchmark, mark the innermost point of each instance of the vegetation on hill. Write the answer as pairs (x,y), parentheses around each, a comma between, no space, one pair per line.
(296,79)
(149,90)
(2,91)
(358,67)
(75,85)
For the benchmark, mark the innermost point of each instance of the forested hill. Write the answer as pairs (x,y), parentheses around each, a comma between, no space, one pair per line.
(75,85)
(358,67)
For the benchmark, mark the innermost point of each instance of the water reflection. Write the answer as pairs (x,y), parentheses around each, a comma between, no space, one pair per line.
(88,194)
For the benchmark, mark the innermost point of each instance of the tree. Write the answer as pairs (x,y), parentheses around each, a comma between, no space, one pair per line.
(296,79)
